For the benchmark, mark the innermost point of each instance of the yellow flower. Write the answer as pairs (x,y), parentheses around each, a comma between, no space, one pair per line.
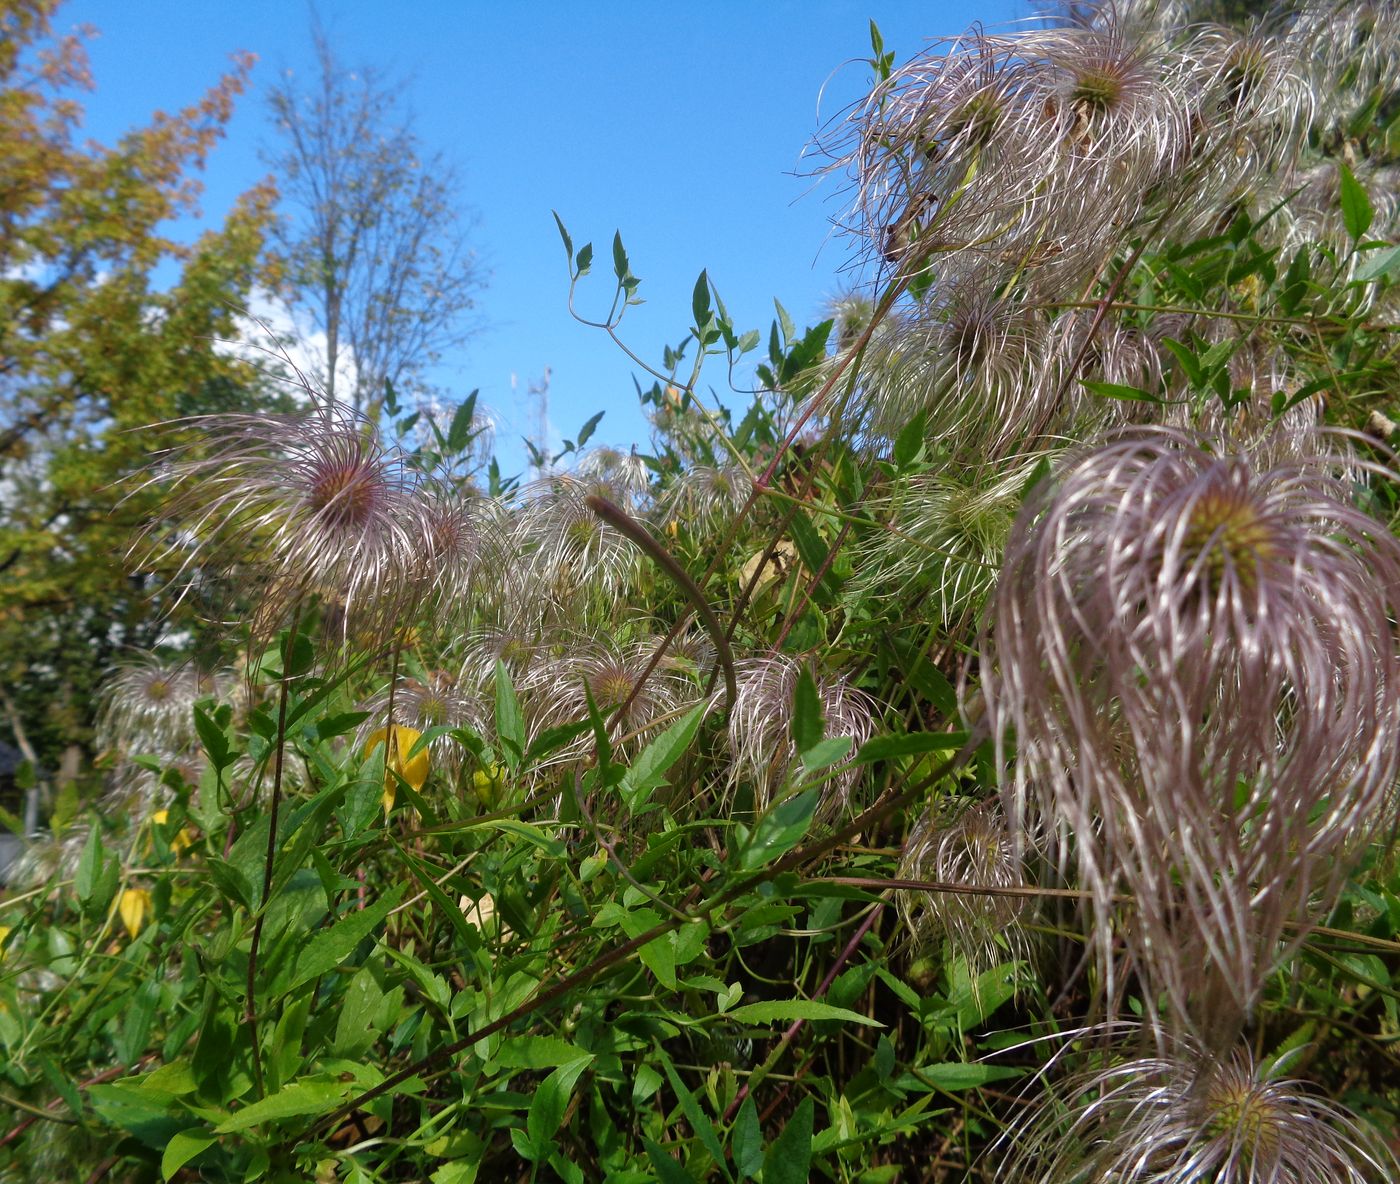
(487,783)
(133,905)
(182,839)
(414,772)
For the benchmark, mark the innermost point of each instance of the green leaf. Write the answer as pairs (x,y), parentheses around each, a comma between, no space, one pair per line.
(564,234)
(551,1098)
(538,1052)
(621,268)
(649,769)
(587,430)
(808,727)
(789,1158)
(459,435)
(1356,205)
(826,752)
(510,724)
(668,1170)
(700,303)
(910,442)
(585,259)
(699,1121)
(184,1147)
(329,948)
(89,867)
(780,829)
(884,748)
(308,1095)
(773,1010)
(1116,390)
(212,737)
(953,1076)
(746,1140)
(1379,265)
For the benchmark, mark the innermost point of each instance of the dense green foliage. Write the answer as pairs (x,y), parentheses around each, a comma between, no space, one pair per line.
(676,817)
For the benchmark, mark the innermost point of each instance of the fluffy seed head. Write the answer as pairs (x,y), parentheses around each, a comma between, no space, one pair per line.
(1197,658)
(1190,1117)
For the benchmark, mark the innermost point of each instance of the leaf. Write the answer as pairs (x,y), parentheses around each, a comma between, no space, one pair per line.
(585,259)
(89,867)
(774,1010)
(808,727)
(510,724)
(789,1157)
(826,752)
(184,1147)
(699,1121)
(780,829)
(1356,205)
(746,1140)
(564,234)
(884,748)
(700,303)
(551,1098)
(538,1052)
(649,769)
(212,737)
(587,430)
(459,435)
(621,268)
(329,948)
(308,1095)
(668,1170)
(1116,390)
(953,1076)
(1379,265)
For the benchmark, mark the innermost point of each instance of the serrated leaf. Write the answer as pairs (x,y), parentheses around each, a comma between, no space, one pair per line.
(786,1010)
(585,259)
(308,1095)
(329,948)
(212,738)
(621,268)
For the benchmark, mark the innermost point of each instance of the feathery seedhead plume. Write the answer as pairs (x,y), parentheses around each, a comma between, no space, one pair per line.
(705,496)
(968,843)
(146,703)
(1197,659)
(760,738)
(434,701)
(557,691)
(1190,1116)
(568,549)
(308,505)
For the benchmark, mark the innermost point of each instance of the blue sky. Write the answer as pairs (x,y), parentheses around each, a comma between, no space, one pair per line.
(679,125)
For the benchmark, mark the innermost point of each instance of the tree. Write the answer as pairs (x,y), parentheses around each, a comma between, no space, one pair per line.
(375,247)
(91,348)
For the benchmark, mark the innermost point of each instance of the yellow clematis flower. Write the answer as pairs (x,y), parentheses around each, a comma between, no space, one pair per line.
(414,771)
(132,906)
